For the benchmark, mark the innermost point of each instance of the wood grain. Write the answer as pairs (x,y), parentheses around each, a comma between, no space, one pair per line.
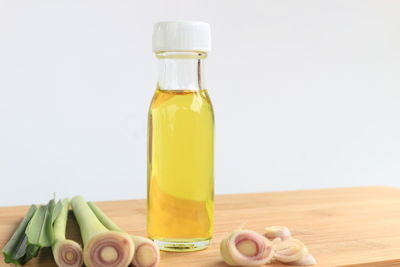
(358,227)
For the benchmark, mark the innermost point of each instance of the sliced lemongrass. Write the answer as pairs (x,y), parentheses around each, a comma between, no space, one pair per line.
(147,254)
(66,253)
(246,248)
(273,232)
(290,250)
(275,241)
(102,247)
(307,260)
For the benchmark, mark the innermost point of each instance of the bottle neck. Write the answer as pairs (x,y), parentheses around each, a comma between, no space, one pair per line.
(181,70)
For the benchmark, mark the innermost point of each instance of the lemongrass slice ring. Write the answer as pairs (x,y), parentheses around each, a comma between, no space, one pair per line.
(290,250)
(246,248)
(273,232)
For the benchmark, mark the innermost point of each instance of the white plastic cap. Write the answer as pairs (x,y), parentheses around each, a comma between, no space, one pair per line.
(181,36)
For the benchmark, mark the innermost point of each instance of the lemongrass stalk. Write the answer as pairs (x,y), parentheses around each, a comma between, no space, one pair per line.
(67,253)
(102,247)
(147,254)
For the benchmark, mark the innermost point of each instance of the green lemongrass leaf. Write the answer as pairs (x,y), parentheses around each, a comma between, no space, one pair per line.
(48,227)
(31,252)
(21,251)
(60,223)
(57,210)
(54,213)
(40,229)
(15,248)
(36,229)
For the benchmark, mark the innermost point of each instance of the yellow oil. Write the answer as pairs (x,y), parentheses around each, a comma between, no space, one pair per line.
(180,168)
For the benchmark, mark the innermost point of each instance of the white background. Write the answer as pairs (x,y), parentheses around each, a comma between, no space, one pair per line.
(306,94)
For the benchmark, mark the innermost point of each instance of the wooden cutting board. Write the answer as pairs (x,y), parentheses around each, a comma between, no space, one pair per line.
(341,227)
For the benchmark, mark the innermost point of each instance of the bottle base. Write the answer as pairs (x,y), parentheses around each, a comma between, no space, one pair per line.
(182,245)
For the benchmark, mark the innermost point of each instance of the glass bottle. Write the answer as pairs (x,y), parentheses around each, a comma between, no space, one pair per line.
(181,140)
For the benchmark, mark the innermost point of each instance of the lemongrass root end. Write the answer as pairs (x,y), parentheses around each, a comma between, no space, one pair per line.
(109,248)
(147,253)
(68,253)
